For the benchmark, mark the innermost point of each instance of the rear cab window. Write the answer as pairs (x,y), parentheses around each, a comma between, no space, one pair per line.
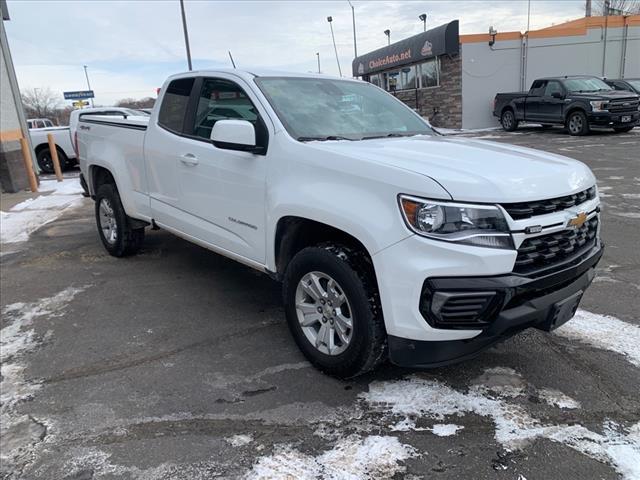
(174,104)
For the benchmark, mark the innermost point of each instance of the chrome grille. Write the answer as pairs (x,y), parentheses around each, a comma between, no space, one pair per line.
(624,105)
(546,251)
(521,210)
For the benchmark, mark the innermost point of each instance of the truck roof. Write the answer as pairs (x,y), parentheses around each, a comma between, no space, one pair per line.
(565,77)
(249,74)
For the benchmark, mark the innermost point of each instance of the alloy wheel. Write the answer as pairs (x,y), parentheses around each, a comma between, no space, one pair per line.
(324,313)
(108,223)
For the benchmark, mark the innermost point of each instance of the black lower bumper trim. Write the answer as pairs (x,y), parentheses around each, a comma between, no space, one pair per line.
(539,301)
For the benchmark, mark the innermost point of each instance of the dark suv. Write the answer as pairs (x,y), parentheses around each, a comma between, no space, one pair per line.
(577,102)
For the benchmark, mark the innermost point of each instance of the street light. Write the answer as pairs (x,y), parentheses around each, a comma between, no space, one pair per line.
(330,20)
(318,55)
(186,34)
(387,32)
(353,18)
(86,75)
(423,17)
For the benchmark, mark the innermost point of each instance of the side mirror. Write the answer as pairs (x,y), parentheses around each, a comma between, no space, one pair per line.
(557,95)
(235,135)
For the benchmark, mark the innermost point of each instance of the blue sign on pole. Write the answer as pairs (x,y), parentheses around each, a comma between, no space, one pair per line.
(78,95)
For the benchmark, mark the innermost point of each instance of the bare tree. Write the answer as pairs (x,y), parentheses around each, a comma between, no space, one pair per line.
(617,7)
(40,102)
(147,102)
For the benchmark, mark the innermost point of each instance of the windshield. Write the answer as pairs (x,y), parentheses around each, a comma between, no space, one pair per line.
(635,84)
(329,109)
(585,85)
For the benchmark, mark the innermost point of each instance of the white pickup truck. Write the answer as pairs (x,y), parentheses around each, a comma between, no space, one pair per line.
(392,241)
(40,142)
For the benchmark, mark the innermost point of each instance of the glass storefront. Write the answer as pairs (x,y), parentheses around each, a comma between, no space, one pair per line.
(422,75)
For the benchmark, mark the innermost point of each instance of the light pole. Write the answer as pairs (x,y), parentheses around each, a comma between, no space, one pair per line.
(318,55)
(330,20)
(353,19)
(86,75)
(186,34)
(423,17)
(387,32)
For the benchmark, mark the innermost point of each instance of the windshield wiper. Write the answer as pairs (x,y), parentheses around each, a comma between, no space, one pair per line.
(390,135)
(323,139)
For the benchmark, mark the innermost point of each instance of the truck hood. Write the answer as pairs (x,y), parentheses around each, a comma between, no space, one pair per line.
(473,170)
(608,95)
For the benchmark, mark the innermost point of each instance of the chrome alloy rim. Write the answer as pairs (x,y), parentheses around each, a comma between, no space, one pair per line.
(575,123)
(324,313)
(508,119)
(108,223)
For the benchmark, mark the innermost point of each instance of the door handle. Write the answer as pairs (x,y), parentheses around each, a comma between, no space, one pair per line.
(189,159)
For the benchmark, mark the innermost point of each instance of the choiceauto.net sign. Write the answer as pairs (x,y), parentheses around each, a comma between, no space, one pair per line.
(78,95)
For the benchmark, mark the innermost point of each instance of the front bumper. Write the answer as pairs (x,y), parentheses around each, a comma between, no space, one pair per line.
(613,119)
(525,302)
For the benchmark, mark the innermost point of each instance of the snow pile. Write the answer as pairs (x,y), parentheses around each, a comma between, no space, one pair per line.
(445,429)
(352,458)
(416,397)
(603,331)
(18,223)
(239,440)
(19,432)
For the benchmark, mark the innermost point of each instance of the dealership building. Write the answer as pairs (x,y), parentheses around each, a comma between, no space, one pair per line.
(451,79)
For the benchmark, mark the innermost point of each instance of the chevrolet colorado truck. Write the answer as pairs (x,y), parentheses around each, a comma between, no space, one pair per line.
(577,102)
(391,240)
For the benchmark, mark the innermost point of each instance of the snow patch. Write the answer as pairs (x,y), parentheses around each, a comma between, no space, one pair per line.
(239,440)
(605,332)
(28,216)
(558,399)
(514,427)
(352,458)
(445,429)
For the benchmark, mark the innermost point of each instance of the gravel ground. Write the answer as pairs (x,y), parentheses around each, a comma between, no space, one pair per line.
(177,363)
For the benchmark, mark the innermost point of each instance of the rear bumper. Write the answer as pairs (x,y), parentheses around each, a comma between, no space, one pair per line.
(524,303)
(609,119)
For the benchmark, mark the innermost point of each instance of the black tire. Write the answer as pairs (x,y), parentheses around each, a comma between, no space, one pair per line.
(577,124)
(623,129)
(353,271)
(508,120)
(46,163)
(124,240)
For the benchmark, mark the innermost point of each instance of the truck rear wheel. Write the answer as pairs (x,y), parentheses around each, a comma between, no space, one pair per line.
(333,309)
(577,123)
(45,163)
(114,226)
(508,120)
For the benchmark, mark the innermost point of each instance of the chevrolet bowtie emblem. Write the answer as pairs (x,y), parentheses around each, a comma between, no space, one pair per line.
(578,220)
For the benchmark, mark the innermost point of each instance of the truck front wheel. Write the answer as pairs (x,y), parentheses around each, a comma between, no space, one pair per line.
(114,226)
(508,121)
(577,123)
(333,309)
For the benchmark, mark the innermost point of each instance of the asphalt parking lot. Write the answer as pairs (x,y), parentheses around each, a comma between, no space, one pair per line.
(177,363)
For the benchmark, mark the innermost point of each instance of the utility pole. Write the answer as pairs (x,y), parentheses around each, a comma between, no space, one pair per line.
(318,55)
(387,32)
(353,19)
(86,75)
(186,34)
(330,20)
(587,8)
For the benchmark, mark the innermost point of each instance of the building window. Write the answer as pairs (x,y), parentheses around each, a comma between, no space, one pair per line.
(429,73)
(408,78)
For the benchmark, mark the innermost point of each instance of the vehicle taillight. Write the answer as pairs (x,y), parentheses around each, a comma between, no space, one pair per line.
(75,144)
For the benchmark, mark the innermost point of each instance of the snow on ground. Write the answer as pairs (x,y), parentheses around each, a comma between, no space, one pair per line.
(24,218)
(603,331)
(416,397)
(352,458)
(20,432)
(239,440)
(445,429)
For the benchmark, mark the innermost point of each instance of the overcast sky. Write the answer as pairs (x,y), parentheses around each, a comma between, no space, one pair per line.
(130,47)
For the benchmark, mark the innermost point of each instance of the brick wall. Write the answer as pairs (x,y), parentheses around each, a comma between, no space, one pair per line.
(442,105)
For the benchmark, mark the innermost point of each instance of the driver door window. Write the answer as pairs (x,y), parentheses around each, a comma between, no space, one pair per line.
(221,100)
(553,87)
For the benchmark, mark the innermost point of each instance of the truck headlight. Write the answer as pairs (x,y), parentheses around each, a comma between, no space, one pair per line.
(479,225)
(599,105)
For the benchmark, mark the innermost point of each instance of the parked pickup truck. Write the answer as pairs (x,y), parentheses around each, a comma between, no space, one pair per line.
(578,103)
(390,239)
(40,142)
